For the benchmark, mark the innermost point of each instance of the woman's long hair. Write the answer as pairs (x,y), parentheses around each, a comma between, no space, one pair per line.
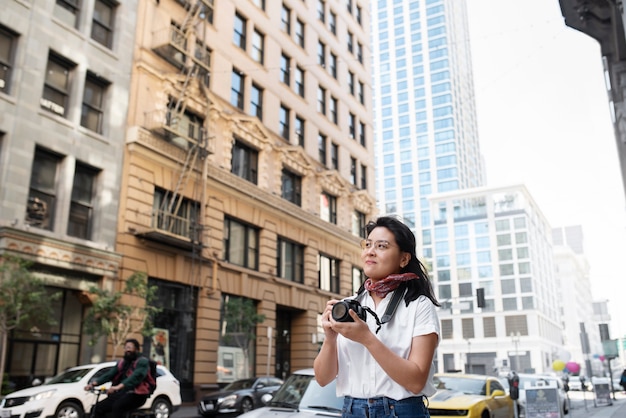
(406,241)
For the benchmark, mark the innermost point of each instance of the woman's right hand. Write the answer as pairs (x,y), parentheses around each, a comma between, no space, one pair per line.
(327,319)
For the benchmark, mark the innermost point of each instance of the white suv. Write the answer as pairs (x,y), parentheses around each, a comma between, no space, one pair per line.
(64,395)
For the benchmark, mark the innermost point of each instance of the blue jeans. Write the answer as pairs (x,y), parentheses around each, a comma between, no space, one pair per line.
(384,407)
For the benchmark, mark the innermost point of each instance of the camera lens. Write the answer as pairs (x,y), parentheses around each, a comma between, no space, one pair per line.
(340,312)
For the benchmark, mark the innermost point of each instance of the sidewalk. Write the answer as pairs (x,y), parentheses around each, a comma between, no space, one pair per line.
(579,410)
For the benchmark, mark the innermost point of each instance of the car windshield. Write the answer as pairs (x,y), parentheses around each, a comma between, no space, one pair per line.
(69,376)
(302,391)
(240,384)
(460,384)
(525,381)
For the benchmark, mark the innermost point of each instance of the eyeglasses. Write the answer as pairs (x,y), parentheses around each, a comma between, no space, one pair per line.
(379,245)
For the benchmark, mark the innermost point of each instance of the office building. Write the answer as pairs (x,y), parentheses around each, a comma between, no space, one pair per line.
(248,177)
(64,85)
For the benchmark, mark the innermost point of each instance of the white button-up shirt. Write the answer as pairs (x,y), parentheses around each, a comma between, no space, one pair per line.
(359,374)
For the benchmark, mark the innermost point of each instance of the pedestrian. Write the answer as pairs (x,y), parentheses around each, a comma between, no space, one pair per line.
(622,380)
(129,388)
(383,365)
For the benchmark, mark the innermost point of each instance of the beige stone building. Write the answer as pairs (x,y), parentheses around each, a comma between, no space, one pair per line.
(248,176)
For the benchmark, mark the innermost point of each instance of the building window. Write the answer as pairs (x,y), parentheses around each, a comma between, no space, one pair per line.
(352,125)
(291,187)
(350,42)
(321,100)
(241,244)
(299,81)
(516,323)
(446,329)
(361,93)
(328,207)
(208,8)
(245,161)
(102,24)
(332,22)
(467,325)
(239,33)
(351,82)
(184,128)
(363,177)
(328,273)
(41,203)
(285,19)
(93,103)
(81,207)
(57,85)
(203,55)
(67,11)
(362,133)
(321,147)
(333,104)
(353,170)
(359,15)
(8,42)
(283,121)
(260,4)
(359,52)
(358,224)
(332,66)
(256,101)
(321,53)
(358,277)
(299,33)
(176,214)
(321,10)
(236,90)
(258,45)
(489,327)
(285,69)
(290,260)
(299,130)
(334,156)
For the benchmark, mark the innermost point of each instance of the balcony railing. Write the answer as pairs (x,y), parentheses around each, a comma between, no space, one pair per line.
(171,44)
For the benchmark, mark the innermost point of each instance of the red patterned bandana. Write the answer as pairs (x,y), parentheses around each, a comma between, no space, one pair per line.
(388,284)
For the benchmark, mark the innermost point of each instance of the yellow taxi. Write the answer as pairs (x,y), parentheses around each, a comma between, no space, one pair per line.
(469,396)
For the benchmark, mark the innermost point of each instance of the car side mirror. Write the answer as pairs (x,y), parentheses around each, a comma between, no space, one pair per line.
(497,393)
(266,398)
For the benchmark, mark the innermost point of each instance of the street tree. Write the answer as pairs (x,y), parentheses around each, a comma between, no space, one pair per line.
(240,321)
(24,301)
(119,314)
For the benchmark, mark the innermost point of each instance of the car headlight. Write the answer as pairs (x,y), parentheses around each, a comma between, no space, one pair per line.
(227,401)
(43,395)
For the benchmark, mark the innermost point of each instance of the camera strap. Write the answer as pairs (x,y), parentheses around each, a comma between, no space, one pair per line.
(393,305)
(398,294)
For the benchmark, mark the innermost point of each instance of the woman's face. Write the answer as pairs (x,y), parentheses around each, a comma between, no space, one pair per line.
(381,255)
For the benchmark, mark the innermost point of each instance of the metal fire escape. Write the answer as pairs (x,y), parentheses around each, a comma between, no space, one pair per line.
(184,46)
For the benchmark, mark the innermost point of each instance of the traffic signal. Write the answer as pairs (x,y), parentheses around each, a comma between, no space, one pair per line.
(480,297)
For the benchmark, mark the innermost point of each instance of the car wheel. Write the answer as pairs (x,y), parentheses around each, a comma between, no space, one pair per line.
(69,410)
(246,405)
(161,408)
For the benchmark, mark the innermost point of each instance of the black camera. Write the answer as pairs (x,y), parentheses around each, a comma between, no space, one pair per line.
(341,309)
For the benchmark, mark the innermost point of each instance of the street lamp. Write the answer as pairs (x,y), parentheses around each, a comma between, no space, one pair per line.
(515,338)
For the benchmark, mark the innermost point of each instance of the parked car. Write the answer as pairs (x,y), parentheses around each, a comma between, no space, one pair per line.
(64,395)
(239,396)
(526,380)
(301,397)
(470,396)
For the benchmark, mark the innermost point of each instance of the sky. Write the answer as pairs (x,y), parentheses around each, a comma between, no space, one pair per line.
(544,121)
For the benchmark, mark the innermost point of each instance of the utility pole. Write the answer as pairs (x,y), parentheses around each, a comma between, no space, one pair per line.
(516,338)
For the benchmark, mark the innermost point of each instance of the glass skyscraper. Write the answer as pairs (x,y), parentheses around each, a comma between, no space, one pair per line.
(425,118)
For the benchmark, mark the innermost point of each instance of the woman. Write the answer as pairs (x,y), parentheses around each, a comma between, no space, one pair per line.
(384,369)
